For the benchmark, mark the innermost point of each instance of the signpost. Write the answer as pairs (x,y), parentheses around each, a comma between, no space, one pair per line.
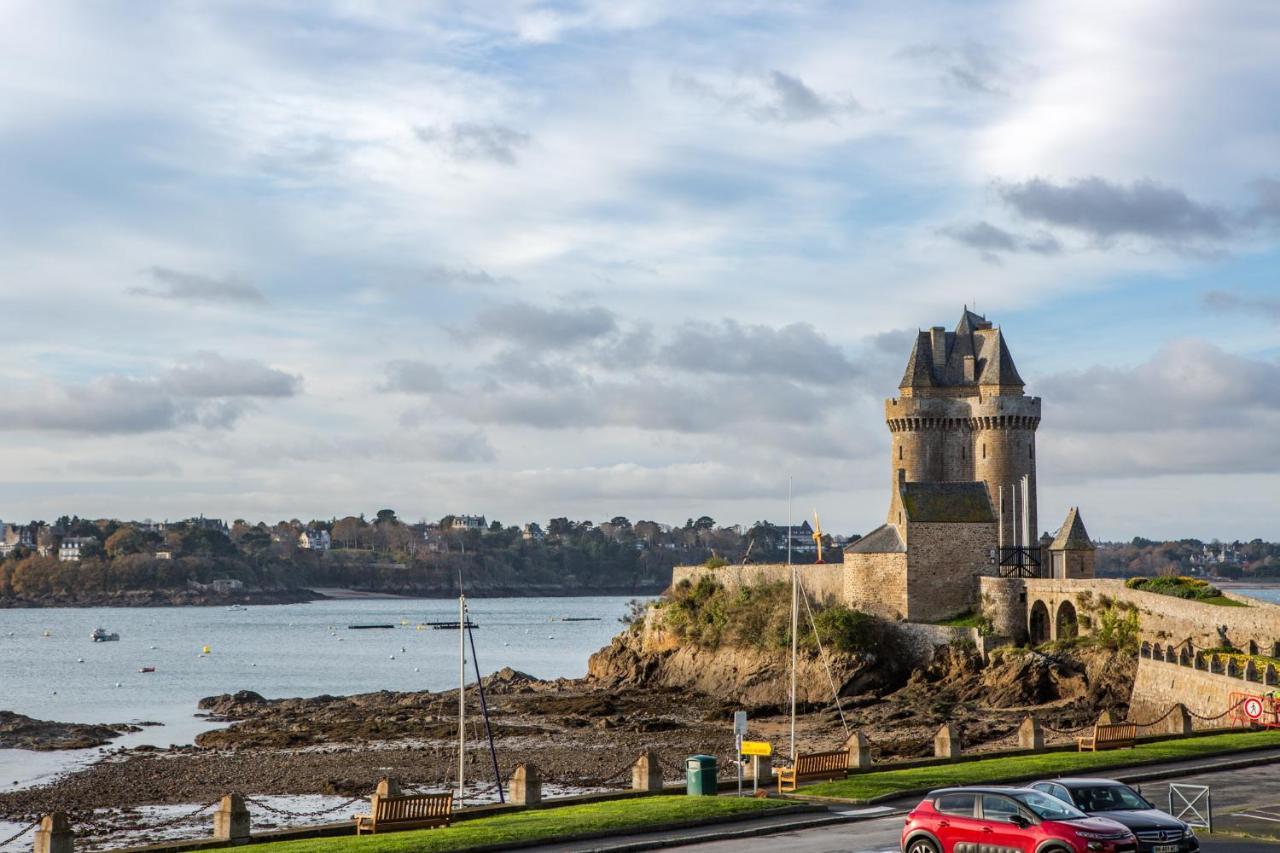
(739,732)
(1253,708)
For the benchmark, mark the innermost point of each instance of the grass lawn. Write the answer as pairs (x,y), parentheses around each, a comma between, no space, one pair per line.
(1024,767)
(619,815)
(964,620)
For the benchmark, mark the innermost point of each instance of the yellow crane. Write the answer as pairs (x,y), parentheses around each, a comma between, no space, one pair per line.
(817,534)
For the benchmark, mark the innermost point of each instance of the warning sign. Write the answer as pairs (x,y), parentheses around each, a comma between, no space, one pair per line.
(756,747)
(1253,707)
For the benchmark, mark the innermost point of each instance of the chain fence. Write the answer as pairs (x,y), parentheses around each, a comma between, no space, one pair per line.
(276,810)
(21,832)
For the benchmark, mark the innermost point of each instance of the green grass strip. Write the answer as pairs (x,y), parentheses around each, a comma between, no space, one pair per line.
(620,816)
(864,786)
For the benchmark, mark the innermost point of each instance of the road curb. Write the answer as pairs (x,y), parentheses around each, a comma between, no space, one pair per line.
(730,833)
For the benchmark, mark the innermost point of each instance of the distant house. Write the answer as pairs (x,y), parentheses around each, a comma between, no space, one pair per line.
(469,522)
(315,540)
(532,532)
(70,547)
(801,537)
(164,555)
(226,585)
(202,523)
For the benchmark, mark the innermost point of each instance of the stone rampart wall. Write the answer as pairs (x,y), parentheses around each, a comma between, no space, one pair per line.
(1207,686)
(876,584)
(823,581)
(1162,617)
(921,642)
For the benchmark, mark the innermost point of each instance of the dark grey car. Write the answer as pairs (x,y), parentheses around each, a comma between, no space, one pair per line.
(1157,831)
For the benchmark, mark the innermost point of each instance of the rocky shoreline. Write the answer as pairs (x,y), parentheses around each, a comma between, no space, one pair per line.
(587,732)
(18,731)
(162,598)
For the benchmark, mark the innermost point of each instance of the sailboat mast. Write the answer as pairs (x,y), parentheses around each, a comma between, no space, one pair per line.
(795,623)
(462,693)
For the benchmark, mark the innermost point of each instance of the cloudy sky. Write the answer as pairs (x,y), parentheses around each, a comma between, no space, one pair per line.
(299,259)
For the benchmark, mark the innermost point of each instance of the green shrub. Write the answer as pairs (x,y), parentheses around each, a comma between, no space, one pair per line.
(1117,630)
(1178,587)
(758,616)
(716,562)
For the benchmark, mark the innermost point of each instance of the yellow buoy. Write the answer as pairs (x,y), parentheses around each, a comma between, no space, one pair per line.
(205,650)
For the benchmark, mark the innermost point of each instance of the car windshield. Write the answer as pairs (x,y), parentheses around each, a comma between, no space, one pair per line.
(1109,798)
(1047,807)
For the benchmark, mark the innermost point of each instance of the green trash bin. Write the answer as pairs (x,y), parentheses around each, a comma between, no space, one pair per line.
(700,773)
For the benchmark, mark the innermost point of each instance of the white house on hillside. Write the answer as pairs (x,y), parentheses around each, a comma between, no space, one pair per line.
(315,540)
(69,548)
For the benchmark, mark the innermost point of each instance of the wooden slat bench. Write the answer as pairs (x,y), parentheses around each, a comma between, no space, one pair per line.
(411,811)
(814,766)
(1109,736)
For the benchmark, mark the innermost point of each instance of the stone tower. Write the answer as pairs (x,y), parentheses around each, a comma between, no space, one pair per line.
(961,416)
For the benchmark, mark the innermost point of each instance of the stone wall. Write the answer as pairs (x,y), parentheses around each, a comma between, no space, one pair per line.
(921,642)
(1162,617)
(876,584)
(944,562)
(823,581)
(1160,684)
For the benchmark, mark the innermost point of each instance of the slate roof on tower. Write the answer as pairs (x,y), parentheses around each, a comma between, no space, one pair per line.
(1071,535)
(947,503)
(974,337)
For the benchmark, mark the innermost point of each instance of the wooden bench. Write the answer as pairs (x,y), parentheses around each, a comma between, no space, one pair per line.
(1109,736)
(411,811)
(816,765)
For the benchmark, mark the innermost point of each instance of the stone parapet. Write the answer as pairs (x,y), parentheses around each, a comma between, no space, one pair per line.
(823,581)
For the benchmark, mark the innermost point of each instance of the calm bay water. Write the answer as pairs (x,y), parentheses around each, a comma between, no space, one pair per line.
(276,650)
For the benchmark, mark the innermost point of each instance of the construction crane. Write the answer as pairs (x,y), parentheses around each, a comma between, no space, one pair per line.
(817,534)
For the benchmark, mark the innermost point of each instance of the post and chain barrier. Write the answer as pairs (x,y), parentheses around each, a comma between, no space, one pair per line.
(276,810)
(21,832)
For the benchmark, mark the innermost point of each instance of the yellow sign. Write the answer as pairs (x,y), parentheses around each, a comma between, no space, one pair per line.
(756,747)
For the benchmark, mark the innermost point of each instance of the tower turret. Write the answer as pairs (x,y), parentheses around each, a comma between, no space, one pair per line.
(961,415)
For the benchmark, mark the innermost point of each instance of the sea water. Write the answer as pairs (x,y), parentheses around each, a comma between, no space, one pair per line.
(51,670)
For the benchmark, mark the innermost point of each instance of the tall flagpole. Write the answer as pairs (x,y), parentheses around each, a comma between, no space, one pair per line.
(462,693)
(795,627)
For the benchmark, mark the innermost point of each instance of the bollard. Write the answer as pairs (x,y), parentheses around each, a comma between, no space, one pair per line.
(231,820)
(1031,734)
(646,773)
(388,787)
(859,751)
(54,835)
(946,743)
(526,785)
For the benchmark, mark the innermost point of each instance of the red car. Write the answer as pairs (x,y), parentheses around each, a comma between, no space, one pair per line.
(1008,820)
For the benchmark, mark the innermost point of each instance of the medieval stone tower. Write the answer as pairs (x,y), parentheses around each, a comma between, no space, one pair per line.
(961,416)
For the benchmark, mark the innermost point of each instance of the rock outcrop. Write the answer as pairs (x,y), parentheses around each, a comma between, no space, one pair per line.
(21,732)
(750,677)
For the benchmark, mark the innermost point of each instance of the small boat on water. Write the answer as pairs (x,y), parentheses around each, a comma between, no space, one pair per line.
(369,627)
(147,669)
(100,635)
(580,619)
(451,626)
(237,607)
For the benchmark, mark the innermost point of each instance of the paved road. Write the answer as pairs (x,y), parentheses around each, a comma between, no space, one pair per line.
(881,836)
(1245,800)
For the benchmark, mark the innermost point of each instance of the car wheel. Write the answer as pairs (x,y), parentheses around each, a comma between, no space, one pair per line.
(921,845)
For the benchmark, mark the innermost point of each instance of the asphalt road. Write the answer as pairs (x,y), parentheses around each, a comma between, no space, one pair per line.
(881,836)
(1245,801)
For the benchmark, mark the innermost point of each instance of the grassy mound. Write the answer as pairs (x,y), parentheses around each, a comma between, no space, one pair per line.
(710,616)
(1194,589)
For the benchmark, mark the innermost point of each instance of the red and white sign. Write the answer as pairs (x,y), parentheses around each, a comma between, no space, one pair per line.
(1252,707)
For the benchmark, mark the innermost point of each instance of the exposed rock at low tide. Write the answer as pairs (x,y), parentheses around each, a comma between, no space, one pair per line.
(18,731)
